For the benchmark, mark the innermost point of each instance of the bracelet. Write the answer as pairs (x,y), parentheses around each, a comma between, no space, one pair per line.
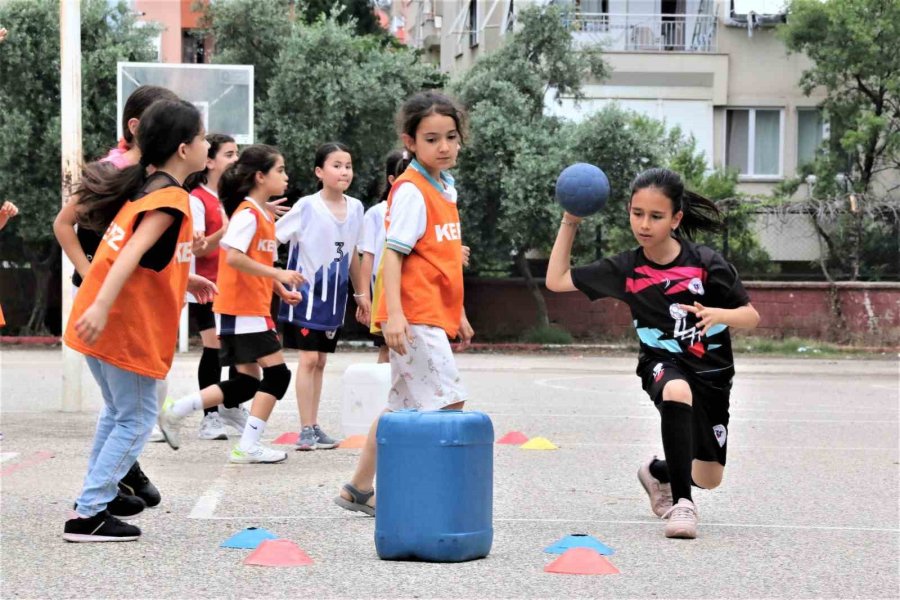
(569,223)
(358,295)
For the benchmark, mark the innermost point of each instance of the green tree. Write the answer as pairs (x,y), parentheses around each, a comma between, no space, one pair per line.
(308,104)
(508,167)
(852,44)
(356,13)
(30,118)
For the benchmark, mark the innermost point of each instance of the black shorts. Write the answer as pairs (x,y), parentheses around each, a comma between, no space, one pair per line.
(710,402)
(247,348)
(202,315)
(310,340)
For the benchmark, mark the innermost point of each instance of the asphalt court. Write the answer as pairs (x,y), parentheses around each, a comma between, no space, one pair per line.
(808,507)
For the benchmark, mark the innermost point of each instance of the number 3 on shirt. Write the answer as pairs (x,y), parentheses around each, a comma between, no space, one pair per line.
(340,251)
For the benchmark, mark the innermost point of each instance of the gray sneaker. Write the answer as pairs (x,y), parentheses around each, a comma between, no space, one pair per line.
(307,439)
(682,520)
(660,493)
(323,440)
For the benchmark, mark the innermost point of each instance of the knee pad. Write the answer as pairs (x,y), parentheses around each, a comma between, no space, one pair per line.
(238,390)
(275,381)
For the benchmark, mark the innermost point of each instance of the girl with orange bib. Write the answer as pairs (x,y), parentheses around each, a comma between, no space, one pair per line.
(125,316)
(242,310)
(419,288)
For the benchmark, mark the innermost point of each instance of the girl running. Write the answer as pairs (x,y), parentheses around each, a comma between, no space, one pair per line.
(125,317)
(209,224)
(323,231)
(246,331)
(683,297)
(420,302)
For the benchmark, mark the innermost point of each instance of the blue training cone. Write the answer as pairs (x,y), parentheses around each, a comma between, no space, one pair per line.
(248,538)
(578,540)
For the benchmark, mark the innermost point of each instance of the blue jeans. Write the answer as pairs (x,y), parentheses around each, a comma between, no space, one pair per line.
(126,420)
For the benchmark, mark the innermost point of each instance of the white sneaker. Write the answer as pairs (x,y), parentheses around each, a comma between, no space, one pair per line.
(211,428)
(156,435)
(170,424)
(259,454)
(236,418)
(681,520)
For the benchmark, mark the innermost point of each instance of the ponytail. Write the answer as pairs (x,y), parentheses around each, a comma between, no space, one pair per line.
(239,179)
(699,213)
(103,189)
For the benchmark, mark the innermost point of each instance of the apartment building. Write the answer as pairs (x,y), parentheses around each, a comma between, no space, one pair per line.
(718,73)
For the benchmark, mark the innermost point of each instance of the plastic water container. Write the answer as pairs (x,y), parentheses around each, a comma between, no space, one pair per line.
(435,486)
(366,387)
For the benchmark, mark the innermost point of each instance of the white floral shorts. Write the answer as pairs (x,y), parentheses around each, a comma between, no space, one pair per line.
(426,378)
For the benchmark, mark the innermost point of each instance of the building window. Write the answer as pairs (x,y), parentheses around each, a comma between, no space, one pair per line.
(473,23)
(753,141)
(811,131)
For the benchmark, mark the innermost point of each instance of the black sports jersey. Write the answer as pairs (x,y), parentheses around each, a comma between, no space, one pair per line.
(653,293)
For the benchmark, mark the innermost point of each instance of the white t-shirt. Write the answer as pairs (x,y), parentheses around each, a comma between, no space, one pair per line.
(320,247)
(374,235)
(239,235)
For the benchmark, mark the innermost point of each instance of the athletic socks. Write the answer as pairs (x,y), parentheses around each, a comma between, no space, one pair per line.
(659,470)
(209,373)
(678,445)
(252,433)
(185,406)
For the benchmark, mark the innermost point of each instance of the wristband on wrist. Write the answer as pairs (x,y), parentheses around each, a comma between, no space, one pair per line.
(358,295)
(569,223)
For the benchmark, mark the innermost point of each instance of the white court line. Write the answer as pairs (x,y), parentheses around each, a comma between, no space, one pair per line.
(592,521)
(206,504)
(656,417)
(5,456)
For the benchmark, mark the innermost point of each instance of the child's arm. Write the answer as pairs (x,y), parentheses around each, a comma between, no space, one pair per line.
(240,261)
(93,320)
(559,269)
(360,289)
(396,329)
(212,241)
(367,266)
(743,317)
(64,230)
(466,333)
(7,211)
(289,296)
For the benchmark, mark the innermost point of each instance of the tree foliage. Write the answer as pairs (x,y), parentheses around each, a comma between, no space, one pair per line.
(30,172)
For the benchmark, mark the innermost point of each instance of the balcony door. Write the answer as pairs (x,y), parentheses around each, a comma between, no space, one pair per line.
(672,26)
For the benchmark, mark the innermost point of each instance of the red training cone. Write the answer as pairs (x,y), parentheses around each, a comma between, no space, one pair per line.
(513,438)
(287,439)
(278,553)
(581,561)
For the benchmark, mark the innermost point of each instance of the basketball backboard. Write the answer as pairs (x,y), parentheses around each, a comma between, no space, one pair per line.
(223,93)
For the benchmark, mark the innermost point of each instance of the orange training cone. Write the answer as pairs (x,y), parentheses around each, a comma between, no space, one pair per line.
(513,438)
(354,441)
(581,561)
(278,553)
(287,439)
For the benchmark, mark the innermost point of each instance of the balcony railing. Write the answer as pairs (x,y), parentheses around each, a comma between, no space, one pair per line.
(644,32)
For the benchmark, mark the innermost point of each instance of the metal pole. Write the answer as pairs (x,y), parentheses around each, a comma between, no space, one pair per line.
(70,126)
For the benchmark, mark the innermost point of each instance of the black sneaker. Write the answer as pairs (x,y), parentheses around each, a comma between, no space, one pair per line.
(122,506)
(136,483)
(102,527)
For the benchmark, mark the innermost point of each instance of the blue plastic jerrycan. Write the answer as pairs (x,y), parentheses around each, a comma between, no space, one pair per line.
(435,486)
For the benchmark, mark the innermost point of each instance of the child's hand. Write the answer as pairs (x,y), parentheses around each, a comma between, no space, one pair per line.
(363,308)
(466,253)
(289,278)
(276,208)
(396,333)
(7,211)
(199,244)
(706,316)
(92,323)
(291,297)
(202,288)
(466,333)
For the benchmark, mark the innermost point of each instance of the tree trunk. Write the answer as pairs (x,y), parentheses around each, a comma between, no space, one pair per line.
(543,316)
(43,272)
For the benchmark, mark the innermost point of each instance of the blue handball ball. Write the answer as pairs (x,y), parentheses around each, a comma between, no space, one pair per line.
(582,189)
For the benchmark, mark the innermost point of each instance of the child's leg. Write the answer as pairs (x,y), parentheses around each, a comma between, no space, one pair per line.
(305,386)
(707,474)
(209,371)
(132,411)
(276,379)
(383,354)
(318,374)
(105,421)
(677,436)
